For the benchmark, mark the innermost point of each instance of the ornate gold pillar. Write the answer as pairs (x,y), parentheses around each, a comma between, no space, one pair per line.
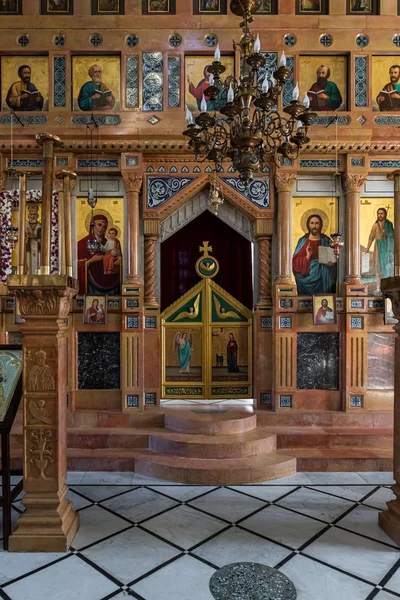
(133,184)
(284,181)
(352,183)
(48,142)
(68,181)
(389,520)
(395,177)
(151,235)
(48,523)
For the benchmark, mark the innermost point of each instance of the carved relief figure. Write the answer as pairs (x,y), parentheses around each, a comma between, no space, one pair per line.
(41,450)
(324,94)
(95,94)
(388,98)
(382,233)
(183,348)
(33,236)
(314,273)
(40,378)
(232,354)
(23,94)
(92,275)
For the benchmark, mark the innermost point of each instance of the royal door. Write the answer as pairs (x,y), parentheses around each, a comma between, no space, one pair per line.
(206,341)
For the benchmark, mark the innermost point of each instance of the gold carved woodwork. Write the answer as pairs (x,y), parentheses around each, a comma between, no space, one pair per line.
(353,182)
(40,412)
(358,361)
(41,449)
(284,181)
(151,227)
(150,269)
(45,302)
(264,270)
(132,181)
(40,378)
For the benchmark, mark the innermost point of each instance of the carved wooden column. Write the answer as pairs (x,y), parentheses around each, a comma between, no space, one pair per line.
(284,181)
(48,142)
(68,181)
(133,184)
(151,235)
(395,177)
(389,520)
(48,523)
(21,268)
(352,183)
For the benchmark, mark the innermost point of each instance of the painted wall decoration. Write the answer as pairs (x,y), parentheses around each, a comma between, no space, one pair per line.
(100,268)
(153,7)
(362,7)
(385,83)
(377,241)
(230,353)
(324,79)
(10,7)
(96,83)
(312,7)
(197,76)
(314,264)
(108,7)
(57,7)
(95,310)
(201,7)
(324,309)
(183,347)
(25,83)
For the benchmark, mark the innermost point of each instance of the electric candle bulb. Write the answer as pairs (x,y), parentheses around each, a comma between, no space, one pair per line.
(211,79)
(189,116)
(265,85)
(231,95)
(203,105)
(296,92)
(306,101)
(217,53)
(257,44)
(273,81)
(283,60)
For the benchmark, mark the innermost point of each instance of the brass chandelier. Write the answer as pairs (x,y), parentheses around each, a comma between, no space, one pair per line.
(250,131)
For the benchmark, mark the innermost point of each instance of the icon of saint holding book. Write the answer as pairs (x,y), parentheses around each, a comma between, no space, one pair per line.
(324,94)
(314,262)
(389,97)
(23,94)
(95,95)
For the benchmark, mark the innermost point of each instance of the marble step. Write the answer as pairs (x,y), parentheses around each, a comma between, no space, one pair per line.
(308,418)
(215,471)
(113,418)
(208,421)
(341,459)
(250,443)
(332,437)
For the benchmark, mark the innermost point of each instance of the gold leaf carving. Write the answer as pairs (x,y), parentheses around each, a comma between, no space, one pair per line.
(45,301)
(353,182)
(132,181)
(284,181)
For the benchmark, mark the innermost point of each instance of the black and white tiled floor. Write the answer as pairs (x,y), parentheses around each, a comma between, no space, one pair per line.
(147,539)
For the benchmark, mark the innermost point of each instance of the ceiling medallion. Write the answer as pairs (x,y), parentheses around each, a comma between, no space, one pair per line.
(250,131)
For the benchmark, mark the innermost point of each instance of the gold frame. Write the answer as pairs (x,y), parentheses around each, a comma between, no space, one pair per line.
(205,288)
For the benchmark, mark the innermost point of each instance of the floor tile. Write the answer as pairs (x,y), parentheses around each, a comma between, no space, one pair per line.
(184,526)
(354,554)
(236,545)
(75,477)
(394,582)
(228,504)
(77,501)
(97,493)
(295,479)
(112,478)
(96,524)
(364,520)
(183,493)
(314,581)
(283,526)
(385,596)
(377,478)
(264,492)
(72,579)
(169,584)
(139,504)
(335,478)
(15,564)
(380,497)
(144,480)
(130,554)
(317,505)
(351,492)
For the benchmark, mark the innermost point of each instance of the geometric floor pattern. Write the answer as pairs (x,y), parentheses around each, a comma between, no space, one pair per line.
(151,540)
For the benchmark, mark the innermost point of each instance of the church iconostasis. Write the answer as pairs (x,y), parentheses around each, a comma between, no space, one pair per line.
(25,83)
(96,83)
(324,80)
(100,267)
(386,83)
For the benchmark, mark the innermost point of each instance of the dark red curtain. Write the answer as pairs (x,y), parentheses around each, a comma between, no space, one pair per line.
(180,252)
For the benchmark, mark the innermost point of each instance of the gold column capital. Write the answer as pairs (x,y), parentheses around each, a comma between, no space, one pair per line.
(353,182)
(42,138)
(64,174)
(132,181)
(285,180)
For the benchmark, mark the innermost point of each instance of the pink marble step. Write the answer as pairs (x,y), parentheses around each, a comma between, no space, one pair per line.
(308,418)
(214,471)
(250,443)
(209,422)
(332,437)
(341,459)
